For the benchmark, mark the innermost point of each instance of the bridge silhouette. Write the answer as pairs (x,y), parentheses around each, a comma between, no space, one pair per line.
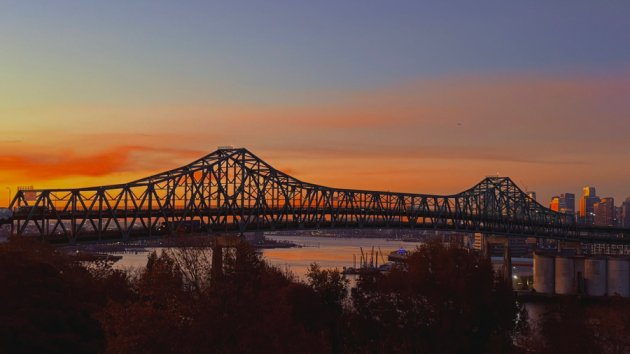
(234,190)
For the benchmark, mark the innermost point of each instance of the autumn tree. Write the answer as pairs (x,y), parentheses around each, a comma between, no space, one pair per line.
(47,301)
(446,300)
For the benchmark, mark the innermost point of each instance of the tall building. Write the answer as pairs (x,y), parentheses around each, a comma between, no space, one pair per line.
(625,213)
(604,212)
(555,203)
(587,202)
(565,203)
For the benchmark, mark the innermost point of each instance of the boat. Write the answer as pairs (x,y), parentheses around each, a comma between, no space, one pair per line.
(398,256)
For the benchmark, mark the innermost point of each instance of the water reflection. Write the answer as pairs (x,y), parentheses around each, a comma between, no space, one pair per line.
(328,252)
(332,252)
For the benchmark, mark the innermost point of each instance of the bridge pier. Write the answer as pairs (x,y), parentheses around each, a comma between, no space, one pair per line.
(218,244)
(487,241)
(217,262)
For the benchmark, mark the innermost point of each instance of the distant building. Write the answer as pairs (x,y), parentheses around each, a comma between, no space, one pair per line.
(618,218)
(565,203)
(555,203)
(625,213)
(587,202)
(604,212)
(532,195)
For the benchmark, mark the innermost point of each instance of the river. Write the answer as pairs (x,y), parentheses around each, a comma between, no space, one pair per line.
(328,252)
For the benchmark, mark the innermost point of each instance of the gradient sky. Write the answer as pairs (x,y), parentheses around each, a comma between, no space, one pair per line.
(390,95)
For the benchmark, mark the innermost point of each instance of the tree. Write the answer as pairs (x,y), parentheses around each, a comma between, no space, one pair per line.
(332,288)
(447,300)
(47,302)
(572,325)
(159,316)
(329,284)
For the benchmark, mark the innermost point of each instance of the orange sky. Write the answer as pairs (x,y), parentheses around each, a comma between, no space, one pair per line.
(552,134)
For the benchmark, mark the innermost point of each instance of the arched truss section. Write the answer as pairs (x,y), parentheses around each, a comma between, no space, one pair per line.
(232,189)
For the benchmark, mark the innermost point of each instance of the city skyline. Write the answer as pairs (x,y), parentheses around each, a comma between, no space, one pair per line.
(409,98)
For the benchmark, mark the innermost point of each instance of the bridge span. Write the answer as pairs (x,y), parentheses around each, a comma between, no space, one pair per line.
(234,190)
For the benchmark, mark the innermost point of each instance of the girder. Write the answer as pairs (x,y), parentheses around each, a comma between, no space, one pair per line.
(233,189)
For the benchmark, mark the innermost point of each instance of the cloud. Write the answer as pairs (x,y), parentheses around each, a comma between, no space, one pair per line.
(418,152)
(555,129)
(544,119)
(60,163)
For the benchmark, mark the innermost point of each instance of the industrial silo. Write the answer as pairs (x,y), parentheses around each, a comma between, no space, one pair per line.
(564,275)
(544,273)
(578,267)
(595,276)
(619,276)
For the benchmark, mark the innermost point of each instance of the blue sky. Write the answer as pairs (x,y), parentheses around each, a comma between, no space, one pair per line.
(265,50)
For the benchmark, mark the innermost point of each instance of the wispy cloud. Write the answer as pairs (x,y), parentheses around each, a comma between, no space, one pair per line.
(46,165)
(556,130)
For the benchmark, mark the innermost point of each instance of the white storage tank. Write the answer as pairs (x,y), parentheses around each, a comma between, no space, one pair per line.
(595,276)
(619,276)
(564,275)
(543,273)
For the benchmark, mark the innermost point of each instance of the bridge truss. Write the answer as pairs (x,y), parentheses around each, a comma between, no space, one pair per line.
(234,190)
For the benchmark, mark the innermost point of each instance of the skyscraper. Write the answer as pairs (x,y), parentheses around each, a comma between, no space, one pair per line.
(555,203)
(567,203)
(532,195)
(625,213)
(604,212)
(588,200)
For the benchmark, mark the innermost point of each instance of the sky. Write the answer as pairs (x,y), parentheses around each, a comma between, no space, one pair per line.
(410,96)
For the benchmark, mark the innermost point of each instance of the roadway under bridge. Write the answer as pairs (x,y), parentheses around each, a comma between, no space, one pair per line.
(234,190)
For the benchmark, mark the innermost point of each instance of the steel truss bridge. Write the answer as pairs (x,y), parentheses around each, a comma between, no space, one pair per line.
(234,190)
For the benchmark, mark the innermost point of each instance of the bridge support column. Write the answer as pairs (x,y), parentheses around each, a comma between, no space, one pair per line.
(507,262)
(486,246)
(507,255)
(221,242)
(217,262)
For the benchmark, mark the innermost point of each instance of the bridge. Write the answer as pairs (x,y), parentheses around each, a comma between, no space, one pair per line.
(234,190)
